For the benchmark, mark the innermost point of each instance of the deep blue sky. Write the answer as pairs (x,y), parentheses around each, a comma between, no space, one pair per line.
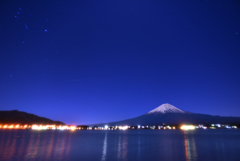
(85,61)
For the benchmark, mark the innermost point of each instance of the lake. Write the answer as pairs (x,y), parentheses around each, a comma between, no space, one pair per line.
(129,145)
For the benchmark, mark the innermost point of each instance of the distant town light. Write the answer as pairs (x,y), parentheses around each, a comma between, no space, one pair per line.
(72,128)
(106,127)
(188,127)
(228,127)
(123,127)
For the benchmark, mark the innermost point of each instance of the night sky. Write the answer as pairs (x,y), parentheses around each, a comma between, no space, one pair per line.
(85,61)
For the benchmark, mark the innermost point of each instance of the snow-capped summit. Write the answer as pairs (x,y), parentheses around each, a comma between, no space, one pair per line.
(166,108)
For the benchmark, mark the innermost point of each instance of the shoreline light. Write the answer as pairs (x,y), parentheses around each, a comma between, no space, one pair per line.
(106,127)
(188,127)
(123,127)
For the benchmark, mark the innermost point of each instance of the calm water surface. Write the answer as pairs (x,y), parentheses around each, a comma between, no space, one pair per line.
(130,145)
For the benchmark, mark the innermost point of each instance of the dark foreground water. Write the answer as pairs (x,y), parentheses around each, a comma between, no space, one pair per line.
(130,145)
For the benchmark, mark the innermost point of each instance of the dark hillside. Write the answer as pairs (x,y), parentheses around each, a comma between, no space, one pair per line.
(19,117)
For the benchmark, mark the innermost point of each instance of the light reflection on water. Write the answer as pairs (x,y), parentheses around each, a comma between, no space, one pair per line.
(22,142)
(190,148)
(50,146)
(131,145)
(139,147)
(33,145)
(119,147)
(104,152)
(122,147)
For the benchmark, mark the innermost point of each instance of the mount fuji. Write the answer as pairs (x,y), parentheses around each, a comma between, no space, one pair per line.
(169,114)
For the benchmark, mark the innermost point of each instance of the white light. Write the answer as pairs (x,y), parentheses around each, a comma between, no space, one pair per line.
(188,127)
(228,127)
(106,126)
(36,127)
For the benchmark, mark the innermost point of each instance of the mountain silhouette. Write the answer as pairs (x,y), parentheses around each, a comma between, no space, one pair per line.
(19,117)
(169,114)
